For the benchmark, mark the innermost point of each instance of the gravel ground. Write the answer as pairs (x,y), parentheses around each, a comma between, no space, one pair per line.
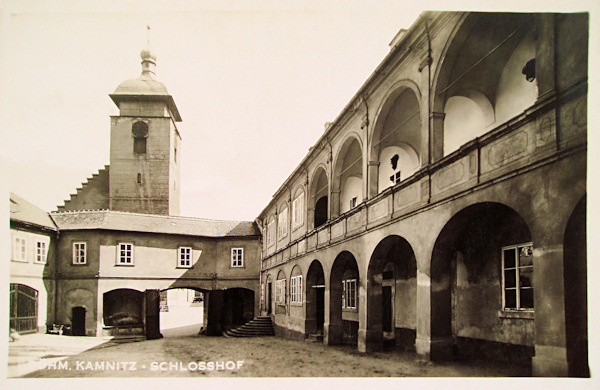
(261,357)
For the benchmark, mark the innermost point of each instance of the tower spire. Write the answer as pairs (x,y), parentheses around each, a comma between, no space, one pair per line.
(148,59)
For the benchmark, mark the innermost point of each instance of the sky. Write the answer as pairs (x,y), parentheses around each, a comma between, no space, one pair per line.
(254,82)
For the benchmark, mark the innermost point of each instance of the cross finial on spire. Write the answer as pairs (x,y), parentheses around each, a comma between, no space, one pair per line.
(148,28)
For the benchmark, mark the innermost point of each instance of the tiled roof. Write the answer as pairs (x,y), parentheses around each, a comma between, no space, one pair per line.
(26,212)
(132,222)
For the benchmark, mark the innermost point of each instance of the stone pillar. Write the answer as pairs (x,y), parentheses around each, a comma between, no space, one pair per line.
(99,311)
(310,215)
(205,310)
(335,203)
(549,296)
(429,343)
(333,329)
(436,145)
(544,56)
(370,332)
(373,176)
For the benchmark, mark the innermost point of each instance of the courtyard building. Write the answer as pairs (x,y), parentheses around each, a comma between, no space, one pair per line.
(444,210)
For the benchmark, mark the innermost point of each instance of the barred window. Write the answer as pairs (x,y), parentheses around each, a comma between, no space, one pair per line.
(296,289)
(517,277)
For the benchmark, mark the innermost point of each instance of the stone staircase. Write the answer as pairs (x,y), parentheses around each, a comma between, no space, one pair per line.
(260,326)
(314,338)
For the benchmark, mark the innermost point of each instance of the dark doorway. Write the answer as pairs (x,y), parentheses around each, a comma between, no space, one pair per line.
(321,211)
(320,308)
(78,324)
(269,307)
(386,300)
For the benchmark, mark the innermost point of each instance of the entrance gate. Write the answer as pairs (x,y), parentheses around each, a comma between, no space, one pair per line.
(23,308)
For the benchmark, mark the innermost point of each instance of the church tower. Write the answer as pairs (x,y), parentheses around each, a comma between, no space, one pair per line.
(144,145)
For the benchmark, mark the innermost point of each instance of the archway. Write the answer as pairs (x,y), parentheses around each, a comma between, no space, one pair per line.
(182,312)
(123,307)
(343,301)
(482,286)
(575,271)
(391,295)
(347,177)
(482,80)
(396,140)
(228,309)
(319,192)
(315,299)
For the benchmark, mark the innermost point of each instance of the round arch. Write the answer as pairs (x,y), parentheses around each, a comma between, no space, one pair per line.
(392,295)
(318,200)
(348,175)
(482,265)
(343,300)
(315,299)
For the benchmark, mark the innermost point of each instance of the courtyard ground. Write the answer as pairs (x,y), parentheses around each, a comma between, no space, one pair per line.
(192,356)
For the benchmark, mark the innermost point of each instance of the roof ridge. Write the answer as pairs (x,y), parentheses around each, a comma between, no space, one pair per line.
(108,211)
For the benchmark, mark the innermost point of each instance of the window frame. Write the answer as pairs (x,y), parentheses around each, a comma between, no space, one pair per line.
(516,268)
(271,233)
(296,290)
(43,255)
(77,258)
(346,291)
(280,292)
(240,252)
(282,223)
(22,258)
(119,261)
(298,211)
(187,252)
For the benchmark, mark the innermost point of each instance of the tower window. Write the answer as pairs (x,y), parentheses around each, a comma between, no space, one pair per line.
(139,130)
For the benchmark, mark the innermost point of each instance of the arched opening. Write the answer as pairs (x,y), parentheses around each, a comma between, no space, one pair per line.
(392,295)
(343,300)
(396,140)
(348,176)
(487,76)
(123,312)
(315,300)
(228,309)
(575,271)
(78,321)
(181,312)
(319,192)
(23,308)
(281,294)
(482,286)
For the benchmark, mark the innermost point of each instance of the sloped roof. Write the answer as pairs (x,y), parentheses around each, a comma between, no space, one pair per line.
(149,223)
(26,212)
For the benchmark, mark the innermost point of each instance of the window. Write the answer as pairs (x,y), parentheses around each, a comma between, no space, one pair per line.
(271,233)
(349,294)
(79,253)
(296,289)
(185,257)
(41,252)
(298,211)
(517,278)
(280,292)
(282,223)
(353,202)
(139,130)
(395,178)
(20,249)
(125,254)
(237,257)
